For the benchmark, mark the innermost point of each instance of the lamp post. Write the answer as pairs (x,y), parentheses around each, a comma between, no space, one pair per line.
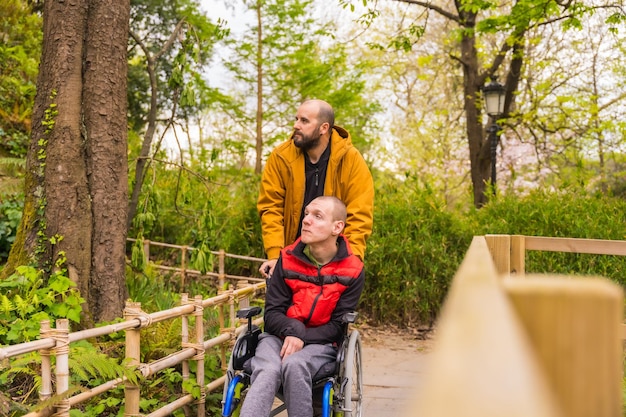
(494,104)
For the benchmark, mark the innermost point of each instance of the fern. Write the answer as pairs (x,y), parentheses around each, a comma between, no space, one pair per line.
(87,364)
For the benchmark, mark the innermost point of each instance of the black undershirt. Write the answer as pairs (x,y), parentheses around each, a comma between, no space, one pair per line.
(315,175)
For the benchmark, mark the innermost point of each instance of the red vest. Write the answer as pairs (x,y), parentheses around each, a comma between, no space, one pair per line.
(316,291)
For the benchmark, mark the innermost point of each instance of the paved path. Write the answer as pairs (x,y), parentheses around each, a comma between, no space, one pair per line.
(392,370)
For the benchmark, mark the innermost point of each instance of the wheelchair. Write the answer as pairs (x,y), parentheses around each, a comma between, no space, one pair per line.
(337,388)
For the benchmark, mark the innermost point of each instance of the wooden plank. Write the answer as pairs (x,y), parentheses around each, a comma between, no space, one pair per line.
(500,248)
(576,245)
(518,255)
(575,327)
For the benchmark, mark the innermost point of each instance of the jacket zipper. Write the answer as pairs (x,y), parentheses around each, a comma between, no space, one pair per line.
(317,297)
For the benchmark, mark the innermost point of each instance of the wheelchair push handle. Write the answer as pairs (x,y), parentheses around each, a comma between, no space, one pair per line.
(349,317)
(249,313)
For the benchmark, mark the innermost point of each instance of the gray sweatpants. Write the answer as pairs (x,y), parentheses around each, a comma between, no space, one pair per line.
(295,374)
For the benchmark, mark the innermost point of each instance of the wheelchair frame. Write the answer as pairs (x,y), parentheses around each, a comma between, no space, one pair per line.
(341,393)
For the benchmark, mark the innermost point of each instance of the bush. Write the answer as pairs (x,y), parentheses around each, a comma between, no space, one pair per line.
(10,216)
(412,255)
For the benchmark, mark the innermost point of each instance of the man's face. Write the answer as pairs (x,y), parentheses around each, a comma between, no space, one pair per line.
(306,130)
(318,223)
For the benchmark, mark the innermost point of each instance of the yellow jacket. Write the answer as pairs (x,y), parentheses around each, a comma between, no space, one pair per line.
(282,193)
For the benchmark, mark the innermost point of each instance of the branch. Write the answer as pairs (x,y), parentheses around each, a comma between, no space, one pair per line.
(428,5)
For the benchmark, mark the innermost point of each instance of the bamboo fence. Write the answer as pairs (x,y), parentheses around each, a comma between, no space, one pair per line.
(56,341)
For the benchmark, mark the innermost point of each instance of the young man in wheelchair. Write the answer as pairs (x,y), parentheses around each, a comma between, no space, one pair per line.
(316,281)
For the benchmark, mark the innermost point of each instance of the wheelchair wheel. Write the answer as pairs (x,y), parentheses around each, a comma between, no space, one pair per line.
(352,377)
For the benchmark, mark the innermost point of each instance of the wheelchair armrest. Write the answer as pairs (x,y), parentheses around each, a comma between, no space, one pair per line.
(349,317)
(248,312)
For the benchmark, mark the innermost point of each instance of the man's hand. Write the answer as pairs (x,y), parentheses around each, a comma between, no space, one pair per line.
(291,344)
(267,268)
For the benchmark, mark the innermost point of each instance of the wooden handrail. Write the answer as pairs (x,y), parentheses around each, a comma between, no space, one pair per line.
(482,363)
(505,345)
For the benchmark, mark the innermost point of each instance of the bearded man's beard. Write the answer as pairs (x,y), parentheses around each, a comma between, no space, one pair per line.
(305,142)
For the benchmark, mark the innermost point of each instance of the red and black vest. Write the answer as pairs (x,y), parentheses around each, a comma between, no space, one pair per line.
(317,290)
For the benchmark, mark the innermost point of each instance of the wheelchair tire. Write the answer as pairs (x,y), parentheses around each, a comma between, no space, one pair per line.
(352,378)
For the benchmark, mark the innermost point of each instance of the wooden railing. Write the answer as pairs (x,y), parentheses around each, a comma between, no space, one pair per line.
(56,342)
(511,344)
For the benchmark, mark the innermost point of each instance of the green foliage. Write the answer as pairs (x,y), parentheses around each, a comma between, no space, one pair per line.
(26,300)
(206,216)
(290,75)
(10,216)
(412,255)
(179,62)
(19,58)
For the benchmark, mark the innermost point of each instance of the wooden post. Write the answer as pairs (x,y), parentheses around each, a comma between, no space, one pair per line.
(184,300)
(146,249)
(62,373)
(575,327)
(245,300)
(183,263)
(199,358)
(222,268)
(500,248)
(45,391)
(231,305)
(221,317)
(518,255)
(133,343)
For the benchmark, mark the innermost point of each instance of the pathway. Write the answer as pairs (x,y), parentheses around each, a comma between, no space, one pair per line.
(393,364)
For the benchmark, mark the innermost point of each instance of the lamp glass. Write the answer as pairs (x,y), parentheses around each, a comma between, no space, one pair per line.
(494,99)
(494,104)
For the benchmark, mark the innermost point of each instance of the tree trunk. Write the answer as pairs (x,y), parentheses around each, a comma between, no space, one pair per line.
(258,166)
(480,158)
(76,181)
(105,78)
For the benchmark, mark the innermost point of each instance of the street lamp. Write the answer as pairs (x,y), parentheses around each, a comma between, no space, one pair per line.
(494,104)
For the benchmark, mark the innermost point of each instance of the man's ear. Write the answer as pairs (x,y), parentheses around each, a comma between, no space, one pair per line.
(338,227)
(324,128)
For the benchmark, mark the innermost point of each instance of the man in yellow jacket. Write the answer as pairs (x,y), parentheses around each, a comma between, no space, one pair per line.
(318,159)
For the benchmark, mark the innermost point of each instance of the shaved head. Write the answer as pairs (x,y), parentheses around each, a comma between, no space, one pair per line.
(325,112)
(339,211)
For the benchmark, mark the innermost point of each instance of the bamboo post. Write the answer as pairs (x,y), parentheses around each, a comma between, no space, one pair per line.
(231,305)
(133,343)
(222,322)
(245,300)
(45,391)
(222,268)
(575,327)
(199,358)
(62,350)
(184,300)
(146,249)
(183,264)
(500,248)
